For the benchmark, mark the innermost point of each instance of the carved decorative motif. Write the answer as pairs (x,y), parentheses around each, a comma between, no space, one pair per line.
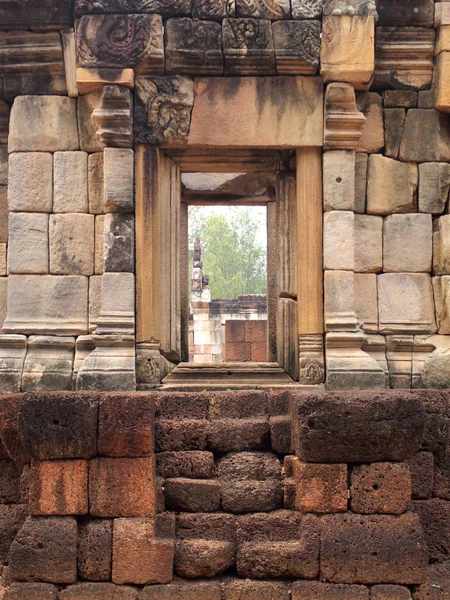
(306,9)
(248,47)
(114,117)
(121,41)
(264,9)
(312,361)
(193,47)
(163,107)
(214,9)
(174,8)
(297,47)
(343,121)
(366,8)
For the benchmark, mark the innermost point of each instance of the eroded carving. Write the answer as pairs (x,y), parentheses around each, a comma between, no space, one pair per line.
(214,9)
(306,9)
(163,109)
(312,362)
(343,121)
(297,47)
(350,7)
(263,9)
(114,117)
(193,47)
(248,46)
(161,7)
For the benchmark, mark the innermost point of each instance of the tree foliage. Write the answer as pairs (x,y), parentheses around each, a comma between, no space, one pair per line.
(232,255)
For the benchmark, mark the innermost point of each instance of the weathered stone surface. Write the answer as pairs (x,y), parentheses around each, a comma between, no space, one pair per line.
(438,583)
(441,245)
(339,180)
(400,99)
(441,290)
(143,550)
(343,122)
(30,184)
(361,166)
(3,164)
(181,422)
(407,243)
(9,482)
(47,305)
(380,488)
(394,122)
(259,9)
(248,47)
(193,47)
(203,9)
(43,124)
(435,516)
(391,186)
(436,372)
(193,464)
(95,300)
(28,243)
(297,47)
(114,114)
(417,13)
(347,52)
(368,244)
(298,120)
(118,243)
(72,244)
(422,475)
(70,182)
(378,427)
(96,188)
(31,591)
(119,179)
(45,549)
(390,592)
(3,269)
(434,186)
(426,136)
(306,9)
(339,301)
(183,588)
(95,549)
(366,301)
(12,518)
(339,240)
(205,545)
(250,482)
(87,104)
(48,365)
(99,250)
(281,544)
(100,43)
(349,7)
(113,82)
(59,487)
(372,138)
(406,303)
(192,495)
(315,590)
(98,591)
(162,7)
(377,548)
(122,487)
(3,213)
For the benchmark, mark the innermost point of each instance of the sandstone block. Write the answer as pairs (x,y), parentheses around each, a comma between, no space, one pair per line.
(59,425)
(48,364)
(394,122)
(30,184)
(192,495)
(435,516)
(95,300)
(193,47)
(118,243)
(368,244)
(362,163)
(246,589)
(98,591)
(340,301)
(366,301)
(339,180)
(370,549)
(119,179)
(95,549)
(96,188)
(188,590)
(380,488)
(28,243)
(205,545)
(380,427)
(250,482)
(279,544)
(194,464)
(315,590)
(99,245)
(442,89)
(45,549)
(348,50)
(422,475)
(426,136)
(126,425)
(87,104)
(47,305)
(339,240)
(3,164)
(391,186)
(3,300)
(12,518)
(405,303)
(43,124)
(31,591)
(434,185)
(122,487)
(143,550)
(72,244)
(372,138)
(297,47)
(317,488)
(441,245)
(70,182)
(59,487)
(400,99)
(3,213)
(9,482)
(407,243)
(279,9)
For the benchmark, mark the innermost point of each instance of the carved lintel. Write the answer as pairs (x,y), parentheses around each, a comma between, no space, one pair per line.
(121,41)
(307,9)
(114,117)
(404,57)
(312,360)
(343,121)
(218,9)
(297,47)
(193,47)
(248,47)
(264,9)
(174,8)
(4,121)
(350,7)
(400,358)
(163,107)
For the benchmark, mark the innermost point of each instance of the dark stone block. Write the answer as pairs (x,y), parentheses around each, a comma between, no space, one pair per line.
(31,591)
(414,13)
(400,99)
(193,47)
(373,549)
(238,589)
(45,549)
(380,488)
(194,464)
(13,14)
(183,434)
(389,592)
(126,425)
(50,14)
(182,405)
(10,406)
(435,518)
(59,425)
(192,495)
(187,590)
(95,549)
(98,591)
(358,427)
(119,244)
(422,475)
(280,421)
(12,517)
(315,590)
(218,9)
(438,585)
(281,544)
(9,482)
(174,8)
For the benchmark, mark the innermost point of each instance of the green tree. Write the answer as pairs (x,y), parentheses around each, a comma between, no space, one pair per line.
(232,255)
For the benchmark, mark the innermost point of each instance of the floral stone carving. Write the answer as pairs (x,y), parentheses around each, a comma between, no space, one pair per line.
(264,9)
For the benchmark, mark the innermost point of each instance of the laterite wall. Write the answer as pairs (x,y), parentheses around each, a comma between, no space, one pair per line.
(225,496)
